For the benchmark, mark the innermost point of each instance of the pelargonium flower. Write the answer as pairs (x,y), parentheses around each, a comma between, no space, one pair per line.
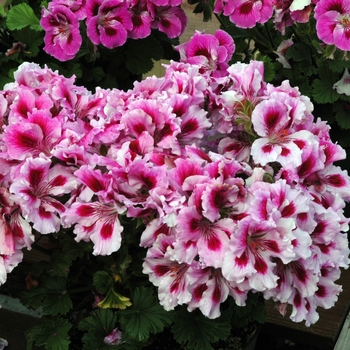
(76,6)
(212,52)
(246,13)
(141,19)
(36,188)
(170,20)
(32,136)
(232,178)
(108,22)
(333,23)
(277,143)
(62,36)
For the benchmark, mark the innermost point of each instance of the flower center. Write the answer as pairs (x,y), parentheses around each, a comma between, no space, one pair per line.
(345,20)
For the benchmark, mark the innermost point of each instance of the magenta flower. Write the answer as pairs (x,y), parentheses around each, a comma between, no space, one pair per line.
(333,23)
(108,22)
(62,36)
(246,13)
(141,19)
(170,20)
(211,52)
(76,6)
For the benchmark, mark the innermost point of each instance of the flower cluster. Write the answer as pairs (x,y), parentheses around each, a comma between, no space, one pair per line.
(232,177)
(333,17)
(108,22)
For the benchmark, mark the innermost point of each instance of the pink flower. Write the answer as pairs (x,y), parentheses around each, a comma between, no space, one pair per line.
(108,22)
(35,135)
(62,36)
(76,6)
(211,52)
(252,245)
(246,13)
(141,19)
(16,232)
(37,188)
(278,142)
(170,20)
(333,23)
(97,222)
(212,238)
(167,274)
(113,338)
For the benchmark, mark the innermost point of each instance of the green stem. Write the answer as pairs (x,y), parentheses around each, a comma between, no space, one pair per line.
(220,21)
(267,30)
(262,40)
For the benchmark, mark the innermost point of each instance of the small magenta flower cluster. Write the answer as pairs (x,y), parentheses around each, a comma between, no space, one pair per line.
(109,23)
(332,16)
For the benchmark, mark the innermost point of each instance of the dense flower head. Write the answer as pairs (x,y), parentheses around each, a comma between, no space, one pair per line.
(232,178)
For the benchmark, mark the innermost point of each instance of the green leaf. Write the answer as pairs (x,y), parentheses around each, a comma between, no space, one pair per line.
(100,321)
(145,316)
(197,332)
(299,52)
(31,39)
(141,53)
(22,15)
(2,11)
(342,110)
(99,324)
(323,91)
(52,332)
(337,66)
(50,293)
(103,281)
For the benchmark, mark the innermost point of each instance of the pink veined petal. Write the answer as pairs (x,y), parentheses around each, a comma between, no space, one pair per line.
(113,36)
(342,33)
(62,38)
(141,25)
(324,6)
(246,13)
(92,30)
(326,25)
(171,20)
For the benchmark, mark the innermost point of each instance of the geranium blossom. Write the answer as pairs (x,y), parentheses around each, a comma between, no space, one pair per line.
(62,36)
(108,22)
(333,23)
(246,13)
(227,182)
(36,189)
